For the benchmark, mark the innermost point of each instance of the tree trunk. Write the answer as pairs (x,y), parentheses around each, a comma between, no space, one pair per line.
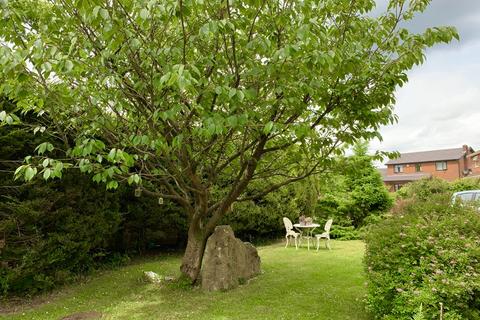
(192,259)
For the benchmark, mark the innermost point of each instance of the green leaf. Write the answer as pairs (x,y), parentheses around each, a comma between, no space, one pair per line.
(45,146)
(97,178)
(46,173)
(58,166)
(268,127)
(87,149)
(240,95)
(112,185)
(68,66)
(135,178)
(104,14)
(95,11)
(110,171)
(135,43)
(232,121)
(47,67)
(136,140)
(144,14)
(112,155)
(19,171)
(41,148)
(30,173)
(73,42)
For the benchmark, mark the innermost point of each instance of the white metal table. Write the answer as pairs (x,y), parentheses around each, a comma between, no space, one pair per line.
(308,229)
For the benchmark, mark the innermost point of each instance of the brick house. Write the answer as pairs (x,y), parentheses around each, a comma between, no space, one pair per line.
(474,163)
(448,164)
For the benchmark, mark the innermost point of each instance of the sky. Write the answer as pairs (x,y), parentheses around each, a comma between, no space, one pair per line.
(439,108)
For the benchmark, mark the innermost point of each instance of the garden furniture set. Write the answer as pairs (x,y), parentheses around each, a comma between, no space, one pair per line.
(306,231)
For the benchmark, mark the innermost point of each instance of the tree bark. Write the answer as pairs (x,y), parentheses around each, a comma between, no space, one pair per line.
(192,259)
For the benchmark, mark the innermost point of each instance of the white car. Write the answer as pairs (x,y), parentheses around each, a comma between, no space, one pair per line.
(466,196)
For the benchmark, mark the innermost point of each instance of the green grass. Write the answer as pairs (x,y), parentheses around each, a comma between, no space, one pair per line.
(295,284)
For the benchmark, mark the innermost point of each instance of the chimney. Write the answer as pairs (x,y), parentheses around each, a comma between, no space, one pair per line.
(467,164)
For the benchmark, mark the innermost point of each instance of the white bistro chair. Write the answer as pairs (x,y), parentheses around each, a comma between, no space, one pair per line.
(290,233)
(325,235)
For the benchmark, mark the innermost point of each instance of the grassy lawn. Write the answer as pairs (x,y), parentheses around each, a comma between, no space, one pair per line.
(295,284)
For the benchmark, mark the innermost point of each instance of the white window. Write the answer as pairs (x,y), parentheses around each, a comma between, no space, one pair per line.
(398,168)
(397,187)
(441,165)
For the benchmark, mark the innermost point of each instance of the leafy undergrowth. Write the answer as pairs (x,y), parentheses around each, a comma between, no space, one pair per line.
(295,284)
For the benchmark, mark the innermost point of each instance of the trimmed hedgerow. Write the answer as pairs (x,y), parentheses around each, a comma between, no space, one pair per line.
(427,254)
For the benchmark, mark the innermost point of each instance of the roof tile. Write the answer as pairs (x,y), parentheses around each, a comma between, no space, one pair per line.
(427,156)
(407,177)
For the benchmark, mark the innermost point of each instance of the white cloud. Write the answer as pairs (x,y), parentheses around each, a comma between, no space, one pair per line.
(440,105)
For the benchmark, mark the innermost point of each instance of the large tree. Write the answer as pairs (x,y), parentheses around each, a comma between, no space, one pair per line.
(193,100)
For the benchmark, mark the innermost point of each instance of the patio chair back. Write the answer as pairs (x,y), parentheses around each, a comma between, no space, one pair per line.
(288,224)
(328,225)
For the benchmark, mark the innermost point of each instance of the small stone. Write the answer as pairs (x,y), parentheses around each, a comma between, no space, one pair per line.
(151,277)
(169,278)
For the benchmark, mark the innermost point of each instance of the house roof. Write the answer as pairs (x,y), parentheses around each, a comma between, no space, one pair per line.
(427,156)
(406,177)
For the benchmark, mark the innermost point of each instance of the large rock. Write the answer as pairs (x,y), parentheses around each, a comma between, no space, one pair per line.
(228,261)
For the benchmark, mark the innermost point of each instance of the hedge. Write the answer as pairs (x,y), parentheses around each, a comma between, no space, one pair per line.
(427,253)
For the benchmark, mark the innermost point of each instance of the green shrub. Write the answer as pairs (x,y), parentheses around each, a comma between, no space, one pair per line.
(429,253)
(50,232)
(260,220)
(465,184)
(55,232)
(424,189)
(344,233)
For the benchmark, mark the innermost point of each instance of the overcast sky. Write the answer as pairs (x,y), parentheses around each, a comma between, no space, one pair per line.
(439,108)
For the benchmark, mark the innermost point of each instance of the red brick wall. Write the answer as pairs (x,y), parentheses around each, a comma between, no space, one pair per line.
(454,169)
(475,165)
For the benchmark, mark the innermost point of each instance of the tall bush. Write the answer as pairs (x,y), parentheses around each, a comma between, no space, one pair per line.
(52,231)
(354,194)
(427,254)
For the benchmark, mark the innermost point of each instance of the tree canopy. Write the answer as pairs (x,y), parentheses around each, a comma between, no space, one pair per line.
(192,100)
